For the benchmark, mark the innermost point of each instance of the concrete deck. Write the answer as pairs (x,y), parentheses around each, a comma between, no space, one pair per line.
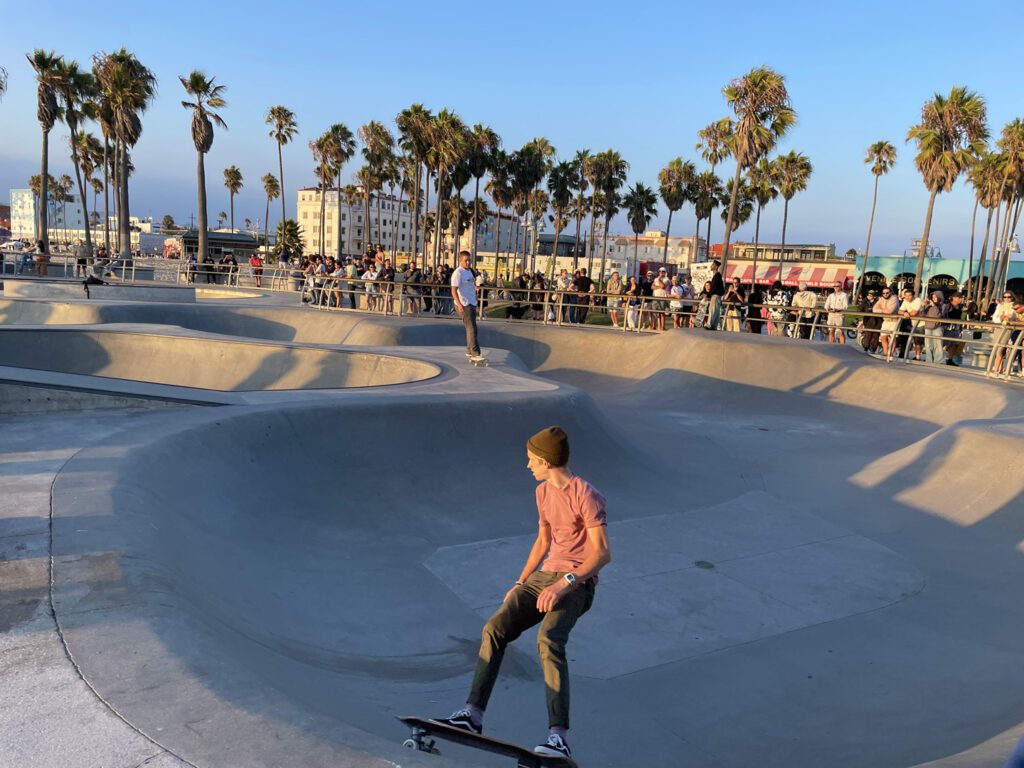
(817,556)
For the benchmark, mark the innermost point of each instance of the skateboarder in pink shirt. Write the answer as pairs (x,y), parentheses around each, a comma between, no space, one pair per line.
(555,587)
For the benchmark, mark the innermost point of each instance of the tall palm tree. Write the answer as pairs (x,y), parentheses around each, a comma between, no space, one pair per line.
(378,152)
(76,91)
(323,169)
(612,170)
(762,181)
(707,190)
(47,66)
(744,207)
(448,139)
(208,97)
(364,178)
(950,136)
(580,183)
(640,204)
(763,115)
(90,155)
(794,170)
(127,88)
(64,187)
(283,129)
(881,156)
(521,184)
(414,130)
(222,218)
(499,189)
(1011,146)
(234,182)
(351,194)
(483,143)
(97,188)
(342,146)
(560,181)
(715,144)
(592,170)
(271,188)
(538,207)
(674,182)
(986,178)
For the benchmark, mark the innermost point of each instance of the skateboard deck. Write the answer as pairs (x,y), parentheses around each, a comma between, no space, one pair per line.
(479,361)
(425,731)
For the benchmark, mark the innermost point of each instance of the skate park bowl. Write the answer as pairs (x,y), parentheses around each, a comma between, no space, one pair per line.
(816,556)
(203,363)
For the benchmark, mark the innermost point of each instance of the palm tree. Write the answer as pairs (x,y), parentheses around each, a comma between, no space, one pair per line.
(591,169)
(674,182)
(283,128)
(560,185)
(448,139)
(707,190)
(76,91)
(640,204)
(881,156)
(234,182)
(378,152)
(342,145)
(580,183)
(90,155)
(950,136)
(1011,145)
(289,239)
(763,115)
(324,172)
(414,129)
(612,171)
(97,187)
(64,187)
(762,182)
(208,97)
(47,66)
(986,176)
(744,207)
(351,195)
(222,218)
(127,90)
(715,145)
(483,143)
(271,188)
(538,207)
(794,170)
(499,189)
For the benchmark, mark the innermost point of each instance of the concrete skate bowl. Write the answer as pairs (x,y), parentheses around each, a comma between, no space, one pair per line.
(203,363)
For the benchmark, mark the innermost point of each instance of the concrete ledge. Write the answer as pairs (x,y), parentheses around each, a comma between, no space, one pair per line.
(48,289)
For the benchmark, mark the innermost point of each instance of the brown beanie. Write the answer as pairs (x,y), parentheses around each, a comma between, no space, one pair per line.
(552,445)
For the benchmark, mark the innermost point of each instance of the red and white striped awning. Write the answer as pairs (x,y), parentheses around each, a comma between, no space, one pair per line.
(815,277)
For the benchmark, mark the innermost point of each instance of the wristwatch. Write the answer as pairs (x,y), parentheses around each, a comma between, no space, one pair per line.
(571,579)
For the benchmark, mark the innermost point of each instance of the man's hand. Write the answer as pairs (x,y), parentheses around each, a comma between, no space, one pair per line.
(509,593)
(548,599)
(461,310)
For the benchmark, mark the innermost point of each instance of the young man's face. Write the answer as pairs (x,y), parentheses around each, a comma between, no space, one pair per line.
(539,467)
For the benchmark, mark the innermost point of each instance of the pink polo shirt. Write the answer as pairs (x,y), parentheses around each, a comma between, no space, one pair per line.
(568,513)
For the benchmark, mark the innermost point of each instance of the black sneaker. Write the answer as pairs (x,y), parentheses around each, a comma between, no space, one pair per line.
(555,746)
(463,720)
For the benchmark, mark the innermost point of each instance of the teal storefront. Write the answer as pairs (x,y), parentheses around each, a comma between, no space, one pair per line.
(945,274)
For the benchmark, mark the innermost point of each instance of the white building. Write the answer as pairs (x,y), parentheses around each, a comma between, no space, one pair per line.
(394,220)
(65,222)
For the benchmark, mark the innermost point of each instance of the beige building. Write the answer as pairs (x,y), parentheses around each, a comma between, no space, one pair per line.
(793,252)
(650,246)
(357,229)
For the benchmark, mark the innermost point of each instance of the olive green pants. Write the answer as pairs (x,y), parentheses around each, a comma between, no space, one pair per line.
(518,614)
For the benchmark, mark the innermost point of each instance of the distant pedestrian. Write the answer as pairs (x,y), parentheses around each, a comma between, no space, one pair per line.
(837,303)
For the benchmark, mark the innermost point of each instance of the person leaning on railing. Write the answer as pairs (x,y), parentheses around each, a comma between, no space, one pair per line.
(614,289)
(806,301)
(870,325)
(953,331)
(1007,313)
(933,312)
(887,305)
(778,301)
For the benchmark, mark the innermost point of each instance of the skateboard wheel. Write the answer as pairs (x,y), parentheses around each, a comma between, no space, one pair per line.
(409,743)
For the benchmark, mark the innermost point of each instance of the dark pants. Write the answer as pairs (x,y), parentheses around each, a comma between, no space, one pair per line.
(518,614)
(804,327)
(469,320)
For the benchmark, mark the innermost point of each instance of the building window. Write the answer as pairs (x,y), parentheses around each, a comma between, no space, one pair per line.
(343,216)
(305,214)
(328,230)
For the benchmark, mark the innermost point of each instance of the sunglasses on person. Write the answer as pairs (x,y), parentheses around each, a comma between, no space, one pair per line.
(1008,296)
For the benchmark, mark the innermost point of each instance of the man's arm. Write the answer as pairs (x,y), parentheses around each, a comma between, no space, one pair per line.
(455,296)
(540,548)
(598,555)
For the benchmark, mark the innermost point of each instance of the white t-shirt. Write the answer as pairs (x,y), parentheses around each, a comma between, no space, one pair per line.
(464,282)
(910,306)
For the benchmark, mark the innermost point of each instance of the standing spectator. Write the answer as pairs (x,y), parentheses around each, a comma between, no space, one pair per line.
(463,283)
(1004,314)
(676,291)
(837,303)
(777,301)
(689,304)
(413,291)
(41,259)
(81,258)
(888,306)
(806,302)
(562,284)
(953,332)
(715,295)
(256,269)
(584,287)
(755,309)
(933,310)
(370,286)
(733,301)
(909,308)
(870,324)
(646,302)
(633,298)
(702,316)
(614,289)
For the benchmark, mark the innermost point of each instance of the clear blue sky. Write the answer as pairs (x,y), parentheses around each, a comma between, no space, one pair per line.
(640,77)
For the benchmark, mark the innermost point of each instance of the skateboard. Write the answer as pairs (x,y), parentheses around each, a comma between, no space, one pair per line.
(479,361)
(425,733)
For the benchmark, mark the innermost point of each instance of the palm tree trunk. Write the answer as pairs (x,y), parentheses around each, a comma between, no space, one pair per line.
(321,249)
(266,227)
(476,203)
(515,252)
(394,221)
(867,246)
(976,288)
(923,249)
(590,249)
(984,296)
(708,236)
(604,250)
(636,250)
(782,248)
(44,195)
(970,256)
(280,173)
(123,211)
(426,208)
(668,231)
(1004,272)
(729,219)
(380,236)
(115,164)
(757,239)
(696,243)
(414,248)
(576,241)
(438,232)
(231,207)
(497,245)
(201,190)
(337,222)
(106,195)
(81,190)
